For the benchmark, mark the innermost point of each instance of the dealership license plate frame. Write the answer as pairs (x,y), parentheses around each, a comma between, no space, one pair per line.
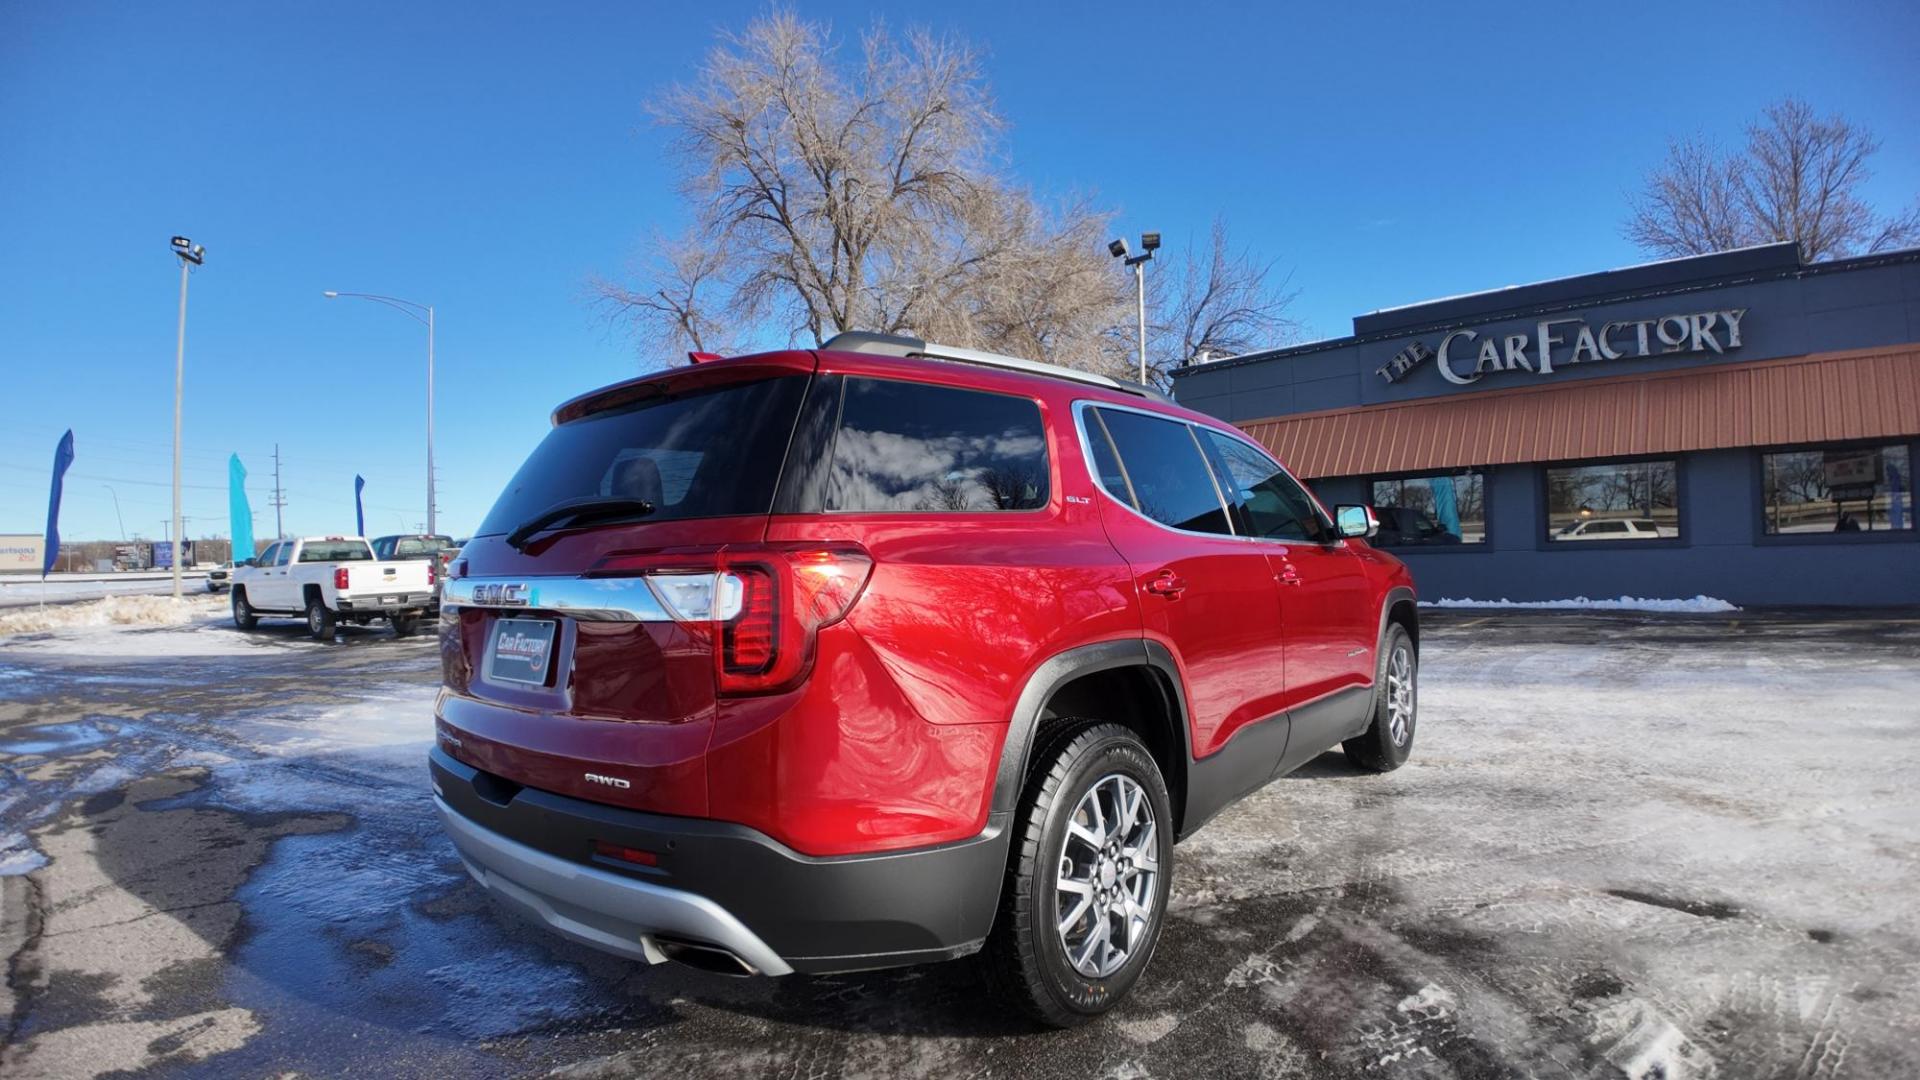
(520,671)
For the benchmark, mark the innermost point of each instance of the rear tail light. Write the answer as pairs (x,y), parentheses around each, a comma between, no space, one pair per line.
(339,577)
(433,574)
(765,604)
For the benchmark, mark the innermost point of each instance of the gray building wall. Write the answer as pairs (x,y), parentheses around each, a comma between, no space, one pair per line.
(1791,311)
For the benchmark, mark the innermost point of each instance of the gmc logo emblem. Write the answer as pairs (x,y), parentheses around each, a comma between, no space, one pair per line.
(514,595)
(610,781)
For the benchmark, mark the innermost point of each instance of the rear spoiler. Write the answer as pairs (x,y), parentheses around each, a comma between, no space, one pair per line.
(682,379)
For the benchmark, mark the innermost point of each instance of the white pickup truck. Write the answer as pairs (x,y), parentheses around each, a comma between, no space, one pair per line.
(329,580)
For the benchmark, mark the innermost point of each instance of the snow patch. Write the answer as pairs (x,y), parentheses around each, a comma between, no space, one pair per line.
(1644,1045)
(1699,605)
(1432,1000)
(17,856)
(112,611)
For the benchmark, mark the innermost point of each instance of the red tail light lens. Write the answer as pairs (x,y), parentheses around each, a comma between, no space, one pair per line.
(433,574)
(765,604)
(339,577)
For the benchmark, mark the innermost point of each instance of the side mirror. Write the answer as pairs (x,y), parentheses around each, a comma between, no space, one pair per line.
(1355,521)
(250,562)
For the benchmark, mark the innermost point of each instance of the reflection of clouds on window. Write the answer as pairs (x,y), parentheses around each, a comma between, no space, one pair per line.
(904,446)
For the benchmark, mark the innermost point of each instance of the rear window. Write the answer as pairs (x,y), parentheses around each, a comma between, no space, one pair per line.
(710,453)
(904,446)
(335,551)
(419,547)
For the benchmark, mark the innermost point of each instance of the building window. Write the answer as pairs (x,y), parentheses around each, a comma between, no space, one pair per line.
(1837,490)
(1425,511)
(1632,500)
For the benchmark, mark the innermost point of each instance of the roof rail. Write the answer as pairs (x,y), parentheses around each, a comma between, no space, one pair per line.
(861,341)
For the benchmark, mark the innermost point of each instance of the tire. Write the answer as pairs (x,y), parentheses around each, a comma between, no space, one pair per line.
(320,621)
(244,616)
(1387,742)
(1028,953)
(404,625)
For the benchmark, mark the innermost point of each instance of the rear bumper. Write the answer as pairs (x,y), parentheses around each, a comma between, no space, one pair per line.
(374,605)
(717,883)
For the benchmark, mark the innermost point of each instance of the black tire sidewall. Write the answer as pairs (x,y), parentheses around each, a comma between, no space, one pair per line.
(324,631)
(1118,752)
(1380,735)
(244,616)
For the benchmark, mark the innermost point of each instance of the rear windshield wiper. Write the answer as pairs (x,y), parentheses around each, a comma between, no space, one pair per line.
(590,506)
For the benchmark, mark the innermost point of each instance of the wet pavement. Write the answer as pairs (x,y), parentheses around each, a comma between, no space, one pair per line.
(1626,846)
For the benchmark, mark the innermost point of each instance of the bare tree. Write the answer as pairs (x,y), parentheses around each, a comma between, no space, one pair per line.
(1219,300)
(832,193)
(1797,178)
(676,307)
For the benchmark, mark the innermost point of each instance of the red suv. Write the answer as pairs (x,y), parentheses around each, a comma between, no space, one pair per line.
(890,652)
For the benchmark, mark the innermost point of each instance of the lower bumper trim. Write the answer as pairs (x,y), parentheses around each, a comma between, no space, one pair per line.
(597,908)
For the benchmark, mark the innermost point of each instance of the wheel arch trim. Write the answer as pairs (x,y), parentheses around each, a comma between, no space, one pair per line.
(1055,673)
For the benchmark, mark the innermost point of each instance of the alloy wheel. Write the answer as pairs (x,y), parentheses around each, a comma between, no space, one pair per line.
(1108,881)
(1400,695)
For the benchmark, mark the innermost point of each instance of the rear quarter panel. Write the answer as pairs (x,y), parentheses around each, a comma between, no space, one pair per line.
(894,740)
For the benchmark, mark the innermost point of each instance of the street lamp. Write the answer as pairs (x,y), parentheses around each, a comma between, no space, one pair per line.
(191,255)
(412,310)
(1149,242)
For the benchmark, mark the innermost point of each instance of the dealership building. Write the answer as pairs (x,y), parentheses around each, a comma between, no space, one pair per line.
(1741,425)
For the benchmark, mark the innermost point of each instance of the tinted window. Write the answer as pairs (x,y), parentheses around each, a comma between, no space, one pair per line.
(1265,501)
(1427,510)
(1838,490)
(707,453)
(415,547)
(1166,477)
(335,551)
(284,555)
(1604,498)
(266,557)
(911,446)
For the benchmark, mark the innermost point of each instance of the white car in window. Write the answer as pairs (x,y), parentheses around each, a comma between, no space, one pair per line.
(1615,529)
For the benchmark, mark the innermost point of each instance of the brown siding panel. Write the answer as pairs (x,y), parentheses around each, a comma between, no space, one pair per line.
(1821,398)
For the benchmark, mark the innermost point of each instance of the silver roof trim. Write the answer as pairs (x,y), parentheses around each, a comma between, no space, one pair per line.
(861,341)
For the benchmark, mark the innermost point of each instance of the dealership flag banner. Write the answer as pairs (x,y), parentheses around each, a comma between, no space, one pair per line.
(62,457)
(359,514)
(239,513)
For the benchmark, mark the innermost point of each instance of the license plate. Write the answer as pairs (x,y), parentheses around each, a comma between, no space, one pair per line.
(521,651)
(389,599)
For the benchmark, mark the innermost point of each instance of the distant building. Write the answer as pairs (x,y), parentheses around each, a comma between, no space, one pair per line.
(1741,425)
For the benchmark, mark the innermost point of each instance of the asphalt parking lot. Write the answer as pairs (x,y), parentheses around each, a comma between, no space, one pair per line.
(1626,846)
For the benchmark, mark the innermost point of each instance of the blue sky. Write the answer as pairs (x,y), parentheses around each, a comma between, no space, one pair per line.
(490,158)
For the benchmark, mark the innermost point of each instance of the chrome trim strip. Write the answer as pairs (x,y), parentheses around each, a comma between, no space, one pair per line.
(598,908)
(610,599)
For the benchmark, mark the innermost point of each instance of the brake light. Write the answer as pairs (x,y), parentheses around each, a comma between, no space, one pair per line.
(433,574)
(765,604)
(339,577)
(747,643)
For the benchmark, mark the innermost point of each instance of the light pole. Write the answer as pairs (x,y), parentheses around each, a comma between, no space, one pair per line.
(116,511)
(412,310)
(1118,249)
(191,255)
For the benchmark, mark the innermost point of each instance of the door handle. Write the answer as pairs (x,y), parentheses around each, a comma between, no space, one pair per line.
(1288,575)
(1168,584)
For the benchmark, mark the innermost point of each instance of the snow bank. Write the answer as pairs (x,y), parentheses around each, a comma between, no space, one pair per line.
(1699,605)
(112,611)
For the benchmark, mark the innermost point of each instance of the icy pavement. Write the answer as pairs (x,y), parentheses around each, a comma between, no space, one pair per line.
(1627,846)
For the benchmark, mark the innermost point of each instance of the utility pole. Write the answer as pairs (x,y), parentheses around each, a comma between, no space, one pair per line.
(279,497)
